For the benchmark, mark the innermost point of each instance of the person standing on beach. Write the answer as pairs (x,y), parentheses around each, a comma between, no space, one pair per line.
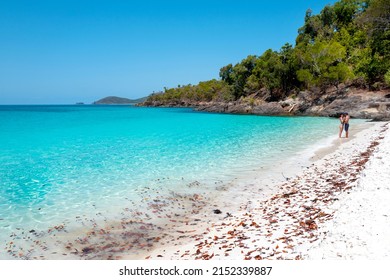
(346,124)
(342,120)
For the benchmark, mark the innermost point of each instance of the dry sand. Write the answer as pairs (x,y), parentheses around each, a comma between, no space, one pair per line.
(360,228)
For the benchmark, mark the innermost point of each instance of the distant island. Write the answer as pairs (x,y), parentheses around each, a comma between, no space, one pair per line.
(114,100)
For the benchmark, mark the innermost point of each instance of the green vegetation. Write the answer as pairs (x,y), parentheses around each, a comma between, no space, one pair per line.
(347,43)
(204,91)
(387,77)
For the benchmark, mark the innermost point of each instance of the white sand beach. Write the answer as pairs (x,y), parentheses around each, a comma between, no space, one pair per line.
(329,203)
(335,209)
(360,227)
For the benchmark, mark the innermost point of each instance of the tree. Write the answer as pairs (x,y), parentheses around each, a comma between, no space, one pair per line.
(327,16)
(377,16)
(310,29)
(268,73)
(226,73)
(240,73)
(376,20)
(323,64)
(304,75)
(338,74)
(289,68)
(346,11)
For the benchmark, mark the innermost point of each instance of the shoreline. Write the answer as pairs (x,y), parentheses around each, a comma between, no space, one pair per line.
(184,219)
(294,218)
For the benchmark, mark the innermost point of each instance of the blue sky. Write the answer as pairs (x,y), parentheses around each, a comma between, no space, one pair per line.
(62,52)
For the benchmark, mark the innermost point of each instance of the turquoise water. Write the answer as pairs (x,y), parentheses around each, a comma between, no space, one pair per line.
(58,162)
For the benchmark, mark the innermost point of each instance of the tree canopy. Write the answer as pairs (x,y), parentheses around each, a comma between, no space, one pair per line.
(348,42)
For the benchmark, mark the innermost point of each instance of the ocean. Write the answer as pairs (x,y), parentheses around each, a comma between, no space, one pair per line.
(62,164)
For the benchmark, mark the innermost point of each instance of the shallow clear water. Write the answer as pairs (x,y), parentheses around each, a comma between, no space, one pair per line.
(58,162)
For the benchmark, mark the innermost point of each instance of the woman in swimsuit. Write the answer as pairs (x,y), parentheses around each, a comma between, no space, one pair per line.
(342,120)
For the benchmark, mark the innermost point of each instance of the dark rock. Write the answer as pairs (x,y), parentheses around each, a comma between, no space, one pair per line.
(87,250)
(217,211)
(381,118)
(271,109)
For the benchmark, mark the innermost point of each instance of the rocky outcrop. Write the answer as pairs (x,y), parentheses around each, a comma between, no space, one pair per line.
(359,103)
(271,108)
